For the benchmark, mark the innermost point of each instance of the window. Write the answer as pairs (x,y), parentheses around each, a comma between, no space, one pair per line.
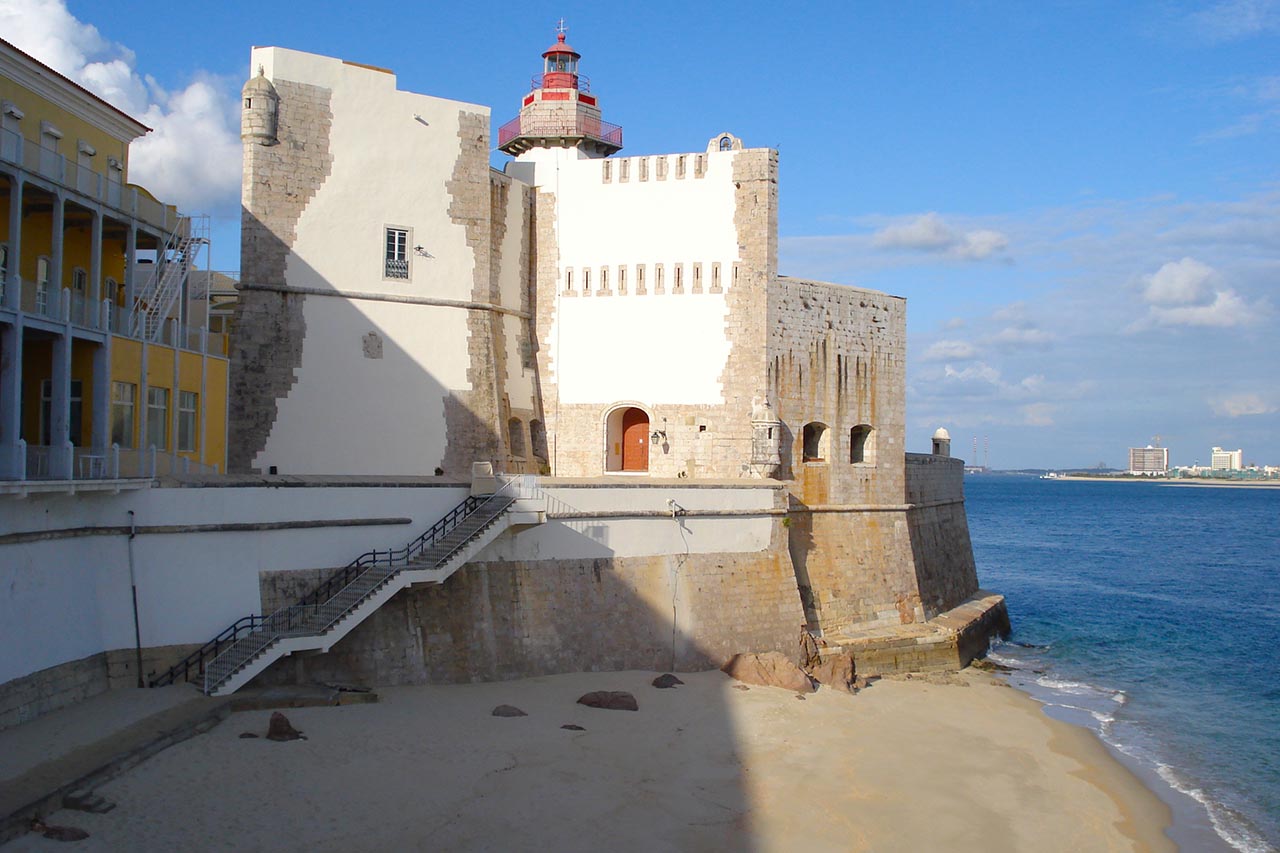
(122,396)
(622,280)
(112,294)
(640,279)
(397,260)
(657,278)
(42,286)
(815,442)
(75,415)
(515,437)
(79,280)
(568,280)
(158,417)
(188,432)
(860,450)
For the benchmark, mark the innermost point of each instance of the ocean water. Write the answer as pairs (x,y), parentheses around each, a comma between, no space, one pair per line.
(1151,614)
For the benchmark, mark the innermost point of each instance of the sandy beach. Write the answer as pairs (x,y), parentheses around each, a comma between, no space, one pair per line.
(903,765)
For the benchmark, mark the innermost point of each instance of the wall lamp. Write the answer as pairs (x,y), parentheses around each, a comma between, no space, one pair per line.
(421,252)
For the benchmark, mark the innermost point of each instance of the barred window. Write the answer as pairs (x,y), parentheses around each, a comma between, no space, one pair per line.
(397,258)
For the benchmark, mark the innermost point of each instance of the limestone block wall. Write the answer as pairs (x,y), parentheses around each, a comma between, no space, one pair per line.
(651,295)
(837,357)
(941,549)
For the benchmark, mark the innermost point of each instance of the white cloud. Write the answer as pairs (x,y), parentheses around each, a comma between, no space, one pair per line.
(950,351)
(929,233)
(1230,20)
(192,157)
(1190,293)
(1239,405)
(1016,336)
(1038,414)
(1179,283)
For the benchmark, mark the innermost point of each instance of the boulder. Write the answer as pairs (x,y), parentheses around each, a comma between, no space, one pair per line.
(280,728)
(769,669)
(573,727)
(508,711)
(246,735)
(610,700)
(663,682)
(835,671)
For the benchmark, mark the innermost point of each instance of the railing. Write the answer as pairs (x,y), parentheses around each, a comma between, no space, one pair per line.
(579,126)
(84,180)
(70,462)
(396,268)
(560,80)
(195,661)
(342,591)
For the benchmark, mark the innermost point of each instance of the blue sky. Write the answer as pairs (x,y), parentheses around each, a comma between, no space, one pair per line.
(1080,200)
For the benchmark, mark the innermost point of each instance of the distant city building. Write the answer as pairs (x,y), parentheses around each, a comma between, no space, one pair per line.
(1226,460)
(1150,461)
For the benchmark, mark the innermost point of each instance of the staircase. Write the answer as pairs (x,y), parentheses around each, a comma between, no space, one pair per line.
(353,593)
(155,299)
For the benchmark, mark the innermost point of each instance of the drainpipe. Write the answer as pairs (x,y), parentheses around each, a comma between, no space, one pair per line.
(133,585)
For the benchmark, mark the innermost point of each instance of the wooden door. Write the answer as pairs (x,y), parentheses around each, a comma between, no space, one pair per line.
(635,440)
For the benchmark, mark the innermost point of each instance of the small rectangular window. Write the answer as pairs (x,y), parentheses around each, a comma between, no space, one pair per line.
(397,254)
(657,278)
(123,395)
(640,291)
(586,281)
(715,278)
(158,418)
(697,278)
(188,431)
(622,279)
(677,277)
(604,279)
(568,280)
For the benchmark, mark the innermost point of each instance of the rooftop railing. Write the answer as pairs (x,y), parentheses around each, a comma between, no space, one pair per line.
(99,187)
(560,80)
(567,128)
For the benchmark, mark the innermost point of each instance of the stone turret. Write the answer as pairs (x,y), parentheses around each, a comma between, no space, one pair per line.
(259,114)
(766,439)
(941,442)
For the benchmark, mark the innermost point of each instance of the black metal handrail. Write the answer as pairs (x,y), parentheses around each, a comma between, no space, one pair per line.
(208,651)
(286,618)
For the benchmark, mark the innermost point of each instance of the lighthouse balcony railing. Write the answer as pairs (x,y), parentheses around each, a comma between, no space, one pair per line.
(580,126)
(560,80)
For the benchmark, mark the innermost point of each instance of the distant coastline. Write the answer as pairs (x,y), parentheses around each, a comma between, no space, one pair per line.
(1211,484)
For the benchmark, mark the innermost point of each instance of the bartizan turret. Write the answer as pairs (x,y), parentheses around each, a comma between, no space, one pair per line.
(260,111)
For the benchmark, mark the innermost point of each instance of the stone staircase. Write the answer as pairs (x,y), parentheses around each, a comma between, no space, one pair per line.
(314,625)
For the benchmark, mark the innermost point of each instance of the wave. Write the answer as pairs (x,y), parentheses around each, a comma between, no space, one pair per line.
(1230,825)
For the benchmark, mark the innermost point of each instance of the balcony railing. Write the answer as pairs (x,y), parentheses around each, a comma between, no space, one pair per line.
(44,462)
(560,80)
(566,128)
(16,149)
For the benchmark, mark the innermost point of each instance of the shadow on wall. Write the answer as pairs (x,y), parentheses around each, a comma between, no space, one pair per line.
(364,404)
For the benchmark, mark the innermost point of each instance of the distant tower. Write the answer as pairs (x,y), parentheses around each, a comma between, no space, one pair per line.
(260,111)
(941,442)
(986,452)
(560,111)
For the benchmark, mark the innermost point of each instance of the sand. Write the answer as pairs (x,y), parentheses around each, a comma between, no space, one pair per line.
(903,765)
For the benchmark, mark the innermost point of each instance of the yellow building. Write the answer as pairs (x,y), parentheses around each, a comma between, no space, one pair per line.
(99,376)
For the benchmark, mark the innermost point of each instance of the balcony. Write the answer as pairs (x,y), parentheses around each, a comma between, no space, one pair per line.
(560,80)
(95,186)
(516,137)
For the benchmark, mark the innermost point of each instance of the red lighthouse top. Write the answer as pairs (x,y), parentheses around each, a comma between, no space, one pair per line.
(560,64)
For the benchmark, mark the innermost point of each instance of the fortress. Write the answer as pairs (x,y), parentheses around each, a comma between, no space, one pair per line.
(632,443)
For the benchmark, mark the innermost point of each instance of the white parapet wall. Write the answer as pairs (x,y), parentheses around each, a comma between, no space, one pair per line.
(200,552)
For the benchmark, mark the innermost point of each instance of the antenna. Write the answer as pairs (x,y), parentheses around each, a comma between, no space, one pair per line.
(986,452)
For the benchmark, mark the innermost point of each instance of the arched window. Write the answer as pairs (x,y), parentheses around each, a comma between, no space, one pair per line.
(515,437)
(860,447)
(815,442)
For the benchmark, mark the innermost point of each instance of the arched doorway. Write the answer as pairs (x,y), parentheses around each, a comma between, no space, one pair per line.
(627,440)
(635,440)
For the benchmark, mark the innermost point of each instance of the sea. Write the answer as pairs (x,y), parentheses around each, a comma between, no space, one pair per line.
(1149,613)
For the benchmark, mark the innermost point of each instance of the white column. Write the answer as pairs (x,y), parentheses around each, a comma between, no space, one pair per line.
(55,252)
(100,432)
(10,395)
(60,406)
(130,258)
(94,295)
(13,287)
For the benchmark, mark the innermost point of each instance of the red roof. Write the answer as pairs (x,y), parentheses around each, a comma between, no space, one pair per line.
(561,47)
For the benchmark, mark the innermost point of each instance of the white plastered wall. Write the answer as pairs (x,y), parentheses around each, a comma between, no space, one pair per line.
(392,154)
(667,348)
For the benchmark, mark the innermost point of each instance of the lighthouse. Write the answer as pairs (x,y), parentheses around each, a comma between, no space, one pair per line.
(560,111)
